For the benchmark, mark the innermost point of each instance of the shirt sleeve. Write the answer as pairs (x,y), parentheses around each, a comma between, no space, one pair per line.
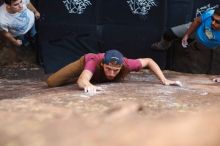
(3,21)
(26,2)
(3,27)
(207,14)
(91,61)
(133,64)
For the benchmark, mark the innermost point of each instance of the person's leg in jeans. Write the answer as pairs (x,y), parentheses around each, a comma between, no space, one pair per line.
(180,30)
(32,32)
(170,35)
(65,74)
(32,38)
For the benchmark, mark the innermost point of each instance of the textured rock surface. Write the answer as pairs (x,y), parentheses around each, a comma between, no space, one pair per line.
(17,56)
(139,111)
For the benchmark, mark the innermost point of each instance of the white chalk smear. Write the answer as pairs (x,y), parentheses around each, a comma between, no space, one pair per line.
(204,93)
(84,96)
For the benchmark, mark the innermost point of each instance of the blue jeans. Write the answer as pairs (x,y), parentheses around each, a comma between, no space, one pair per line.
(26,37)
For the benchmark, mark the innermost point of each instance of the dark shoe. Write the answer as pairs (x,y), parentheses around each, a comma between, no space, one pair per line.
(162,45)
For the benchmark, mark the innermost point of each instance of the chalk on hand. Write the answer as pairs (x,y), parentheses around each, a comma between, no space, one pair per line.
(178,83)
(185,44)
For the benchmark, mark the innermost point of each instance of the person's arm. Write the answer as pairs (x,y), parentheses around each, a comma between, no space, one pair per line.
(10,38)
(84,82)
(149,63)
(34,10)
(195,24)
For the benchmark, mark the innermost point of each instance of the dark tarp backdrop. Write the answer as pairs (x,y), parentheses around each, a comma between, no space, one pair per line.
(69,29)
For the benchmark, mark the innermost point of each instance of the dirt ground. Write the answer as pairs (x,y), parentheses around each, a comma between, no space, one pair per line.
(136,112)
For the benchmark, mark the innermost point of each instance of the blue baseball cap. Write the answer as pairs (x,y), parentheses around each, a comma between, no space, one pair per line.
(113,56)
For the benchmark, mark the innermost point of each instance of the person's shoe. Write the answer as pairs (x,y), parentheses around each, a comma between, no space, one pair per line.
(161,45)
